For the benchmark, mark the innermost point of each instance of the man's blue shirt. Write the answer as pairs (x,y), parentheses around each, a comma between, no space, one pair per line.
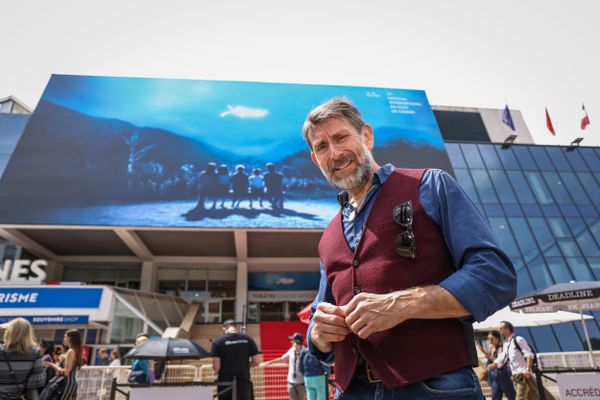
(484,280)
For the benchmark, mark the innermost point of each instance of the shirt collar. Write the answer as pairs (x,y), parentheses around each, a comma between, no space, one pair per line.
(379,178)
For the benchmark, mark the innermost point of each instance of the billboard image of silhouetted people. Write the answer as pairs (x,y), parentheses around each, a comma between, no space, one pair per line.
(107,151)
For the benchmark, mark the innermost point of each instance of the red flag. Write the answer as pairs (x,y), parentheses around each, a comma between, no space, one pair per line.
(585,121)
(549,123)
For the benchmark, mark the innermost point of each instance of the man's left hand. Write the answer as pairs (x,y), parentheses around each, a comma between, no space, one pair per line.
(369,313)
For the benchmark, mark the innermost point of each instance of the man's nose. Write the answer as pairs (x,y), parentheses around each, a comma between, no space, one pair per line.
(335,152)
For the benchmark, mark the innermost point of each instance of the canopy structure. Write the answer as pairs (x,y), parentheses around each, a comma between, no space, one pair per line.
(572,296)
(519,319)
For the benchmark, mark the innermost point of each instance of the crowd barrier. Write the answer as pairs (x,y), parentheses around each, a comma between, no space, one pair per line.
(94,383)
(270,383)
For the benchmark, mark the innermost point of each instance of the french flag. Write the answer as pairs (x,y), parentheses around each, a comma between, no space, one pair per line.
(585,121)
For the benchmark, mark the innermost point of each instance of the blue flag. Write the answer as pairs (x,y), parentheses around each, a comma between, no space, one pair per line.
(507,118)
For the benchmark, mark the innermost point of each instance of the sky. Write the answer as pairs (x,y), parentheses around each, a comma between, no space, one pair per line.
(531,54)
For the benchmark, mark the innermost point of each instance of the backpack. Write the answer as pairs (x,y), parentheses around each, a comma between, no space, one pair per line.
(54,389)
(534,365)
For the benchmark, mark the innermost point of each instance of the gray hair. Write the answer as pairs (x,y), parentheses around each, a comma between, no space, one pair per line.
(336,107)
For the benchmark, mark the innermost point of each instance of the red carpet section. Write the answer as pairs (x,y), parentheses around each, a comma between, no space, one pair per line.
(274,342)
(274,337)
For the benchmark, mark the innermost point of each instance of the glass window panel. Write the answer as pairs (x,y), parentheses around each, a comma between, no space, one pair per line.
(503,187)
(568,337)
(514,210)
(580,269)
(592,326)
(521,187)
(544,236)
(590,185)
(587,244)
(576,161)
(591,159)
(595,266)
(542,194)
(577,225)
(490,158)
(569,247)
(484,186)
(544,339)
(560,271)
(507,157)
(455,155)
(472,155)
(557,187)
(572,184)
(502,230)
(493,210)
(541,158)
(464,178)
(524,284)
(524,158)
(539,273)
(588,211)
(557,157)
(559,227)
(525,240)
(594,224)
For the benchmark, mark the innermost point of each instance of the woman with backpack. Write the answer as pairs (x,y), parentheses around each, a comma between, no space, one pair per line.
(71,363)
(21,367)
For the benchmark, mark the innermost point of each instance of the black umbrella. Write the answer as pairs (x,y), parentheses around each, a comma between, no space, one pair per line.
(572,296)
(168,349)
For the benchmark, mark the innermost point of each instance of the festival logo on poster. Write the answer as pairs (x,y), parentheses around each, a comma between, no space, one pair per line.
(189,153)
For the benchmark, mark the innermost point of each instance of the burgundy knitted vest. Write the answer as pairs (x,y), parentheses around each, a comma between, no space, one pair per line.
(416,349)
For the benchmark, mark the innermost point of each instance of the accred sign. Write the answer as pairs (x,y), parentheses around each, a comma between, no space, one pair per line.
(23,272)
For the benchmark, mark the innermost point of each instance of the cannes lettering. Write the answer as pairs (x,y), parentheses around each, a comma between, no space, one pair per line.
(22,272)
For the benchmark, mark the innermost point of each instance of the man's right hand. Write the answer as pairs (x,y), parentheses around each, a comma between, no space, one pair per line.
(328,326)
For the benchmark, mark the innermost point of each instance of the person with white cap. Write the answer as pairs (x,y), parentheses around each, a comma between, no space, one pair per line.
(295,379)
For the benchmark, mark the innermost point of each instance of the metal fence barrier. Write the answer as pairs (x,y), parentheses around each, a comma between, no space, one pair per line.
(269,383)
(572,361)
(94,383)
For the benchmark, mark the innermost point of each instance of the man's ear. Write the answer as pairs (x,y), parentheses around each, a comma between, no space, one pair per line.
(368,137)
(314,159)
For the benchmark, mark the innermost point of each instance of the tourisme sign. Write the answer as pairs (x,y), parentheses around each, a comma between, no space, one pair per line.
(49,297)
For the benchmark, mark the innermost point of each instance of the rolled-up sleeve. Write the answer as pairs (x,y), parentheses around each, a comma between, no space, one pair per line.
(484,280)
(324,295)
(526,350)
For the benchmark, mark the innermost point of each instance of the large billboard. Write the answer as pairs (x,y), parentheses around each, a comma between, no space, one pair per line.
(106,151)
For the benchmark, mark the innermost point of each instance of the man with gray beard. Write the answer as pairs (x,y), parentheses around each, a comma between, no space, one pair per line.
(407,265)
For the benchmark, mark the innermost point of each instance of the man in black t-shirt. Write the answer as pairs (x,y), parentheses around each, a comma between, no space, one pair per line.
(233,355)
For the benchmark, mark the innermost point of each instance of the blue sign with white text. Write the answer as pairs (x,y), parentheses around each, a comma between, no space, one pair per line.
(45,297)
(283,280)
(50,319)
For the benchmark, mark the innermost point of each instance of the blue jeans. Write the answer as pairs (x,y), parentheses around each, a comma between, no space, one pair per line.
(316,387)
(501,384)
(461,384)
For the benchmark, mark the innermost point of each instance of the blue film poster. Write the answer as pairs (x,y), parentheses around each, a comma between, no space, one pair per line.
(188,153)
